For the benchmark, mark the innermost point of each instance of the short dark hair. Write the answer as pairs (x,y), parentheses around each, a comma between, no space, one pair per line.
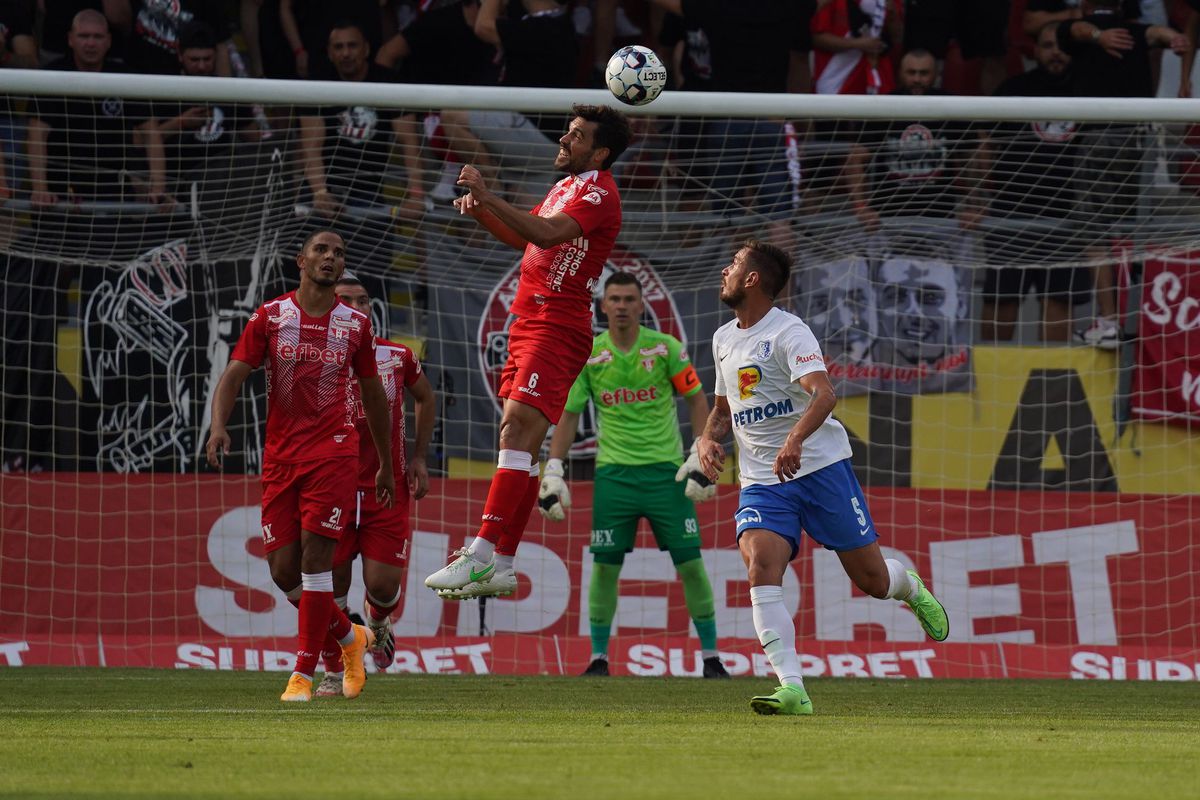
(348,280)
(197,36)
(1051,25)
(623,279)
(317,233)
(919,52)
(344,23)
(772,263)
(612,129)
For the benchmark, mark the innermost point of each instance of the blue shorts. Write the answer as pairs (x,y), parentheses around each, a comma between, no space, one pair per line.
(827,504)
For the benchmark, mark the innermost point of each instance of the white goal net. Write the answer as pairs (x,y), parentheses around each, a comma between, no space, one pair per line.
(1007,293)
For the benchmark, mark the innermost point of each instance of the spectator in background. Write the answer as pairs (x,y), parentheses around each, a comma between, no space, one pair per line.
(852,39)
(915,167)
(199,138)
(17,49)
(688,53)
(688,56)
(307,24)
(59,14)
(1039,13)
(539,49)
(1111,58)
(756,46)
(272,53)
(609,23)
(1033,170)
(82,148)
(17,45)
(154,45)
(1191,30)
(346,150)
(979,26)
(420,49)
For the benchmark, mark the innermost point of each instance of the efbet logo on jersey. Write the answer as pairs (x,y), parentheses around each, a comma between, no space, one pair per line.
(748,378)
(310,352)
(626,396)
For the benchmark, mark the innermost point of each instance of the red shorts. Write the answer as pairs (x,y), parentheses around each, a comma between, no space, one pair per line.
(380,534)
(544,359)
(316,496)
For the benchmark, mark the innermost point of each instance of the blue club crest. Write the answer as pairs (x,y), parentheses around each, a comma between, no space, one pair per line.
(762,351)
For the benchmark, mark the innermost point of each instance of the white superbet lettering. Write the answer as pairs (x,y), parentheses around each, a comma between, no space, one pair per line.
(653,661)
(1096,666)
(11,651)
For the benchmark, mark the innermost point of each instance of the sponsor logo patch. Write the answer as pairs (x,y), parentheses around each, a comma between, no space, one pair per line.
(748,378)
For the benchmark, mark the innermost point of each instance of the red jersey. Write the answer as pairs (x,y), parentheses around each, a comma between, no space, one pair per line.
(557,282)
(310,390)
(398,369)
(849,71)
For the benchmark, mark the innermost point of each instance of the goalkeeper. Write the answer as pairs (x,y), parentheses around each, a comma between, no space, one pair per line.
(629,380)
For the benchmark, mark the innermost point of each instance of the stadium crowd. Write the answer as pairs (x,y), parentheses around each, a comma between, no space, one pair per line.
(80,150)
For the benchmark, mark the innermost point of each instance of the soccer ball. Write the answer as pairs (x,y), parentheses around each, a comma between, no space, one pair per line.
(635,75)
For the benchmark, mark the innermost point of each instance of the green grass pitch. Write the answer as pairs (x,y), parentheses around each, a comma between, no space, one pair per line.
(137,733)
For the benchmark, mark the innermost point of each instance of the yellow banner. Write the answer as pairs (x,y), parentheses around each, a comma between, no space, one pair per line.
(1039,417)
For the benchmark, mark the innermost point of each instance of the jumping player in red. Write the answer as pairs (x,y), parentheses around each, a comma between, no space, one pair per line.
(566,240)
(312,346)
(381,535)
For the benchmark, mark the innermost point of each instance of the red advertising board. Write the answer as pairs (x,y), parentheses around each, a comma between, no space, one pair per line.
(1167,379)
(167,571)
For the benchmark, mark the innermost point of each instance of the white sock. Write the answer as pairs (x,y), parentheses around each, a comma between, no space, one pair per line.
(901,586)
(709,653)
(503,562)
(316,581)
(342,602)
(373,601)
(515,459)
(602,656)
(482,549)
(776,633)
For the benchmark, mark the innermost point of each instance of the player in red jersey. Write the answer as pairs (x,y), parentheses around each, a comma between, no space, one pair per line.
(381,535)
(312,346)
(566,240)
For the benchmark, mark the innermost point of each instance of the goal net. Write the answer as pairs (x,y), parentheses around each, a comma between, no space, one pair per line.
(1007,293)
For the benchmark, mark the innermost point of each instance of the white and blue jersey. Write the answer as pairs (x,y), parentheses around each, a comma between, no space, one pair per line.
(758,370)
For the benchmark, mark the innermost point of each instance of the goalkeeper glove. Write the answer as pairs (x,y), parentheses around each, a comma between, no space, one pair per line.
(553,494)
(699,487)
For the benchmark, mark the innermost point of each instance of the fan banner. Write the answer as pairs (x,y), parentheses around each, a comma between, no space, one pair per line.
(892,313)
(1167,379)
(1031,580)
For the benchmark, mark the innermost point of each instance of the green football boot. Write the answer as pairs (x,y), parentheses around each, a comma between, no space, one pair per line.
(787,699)
(929,611)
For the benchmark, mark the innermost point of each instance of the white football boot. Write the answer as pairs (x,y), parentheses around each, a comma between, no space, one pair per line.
(497,584)
(463,569)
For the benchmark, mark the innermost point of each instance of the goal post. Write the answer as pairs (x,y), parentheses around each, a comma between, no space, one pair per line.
(954,256)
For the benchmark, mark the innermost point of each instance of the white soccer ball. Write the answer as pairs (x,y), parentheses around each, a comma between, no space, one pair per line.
(635,75)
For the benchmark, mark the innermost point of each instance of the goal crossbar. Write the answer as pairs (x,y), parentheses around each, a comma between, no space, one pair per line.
(524,99)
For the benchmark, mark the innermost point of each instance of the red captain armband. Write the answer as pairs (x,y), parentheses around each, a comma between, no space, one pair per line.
(686,380)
